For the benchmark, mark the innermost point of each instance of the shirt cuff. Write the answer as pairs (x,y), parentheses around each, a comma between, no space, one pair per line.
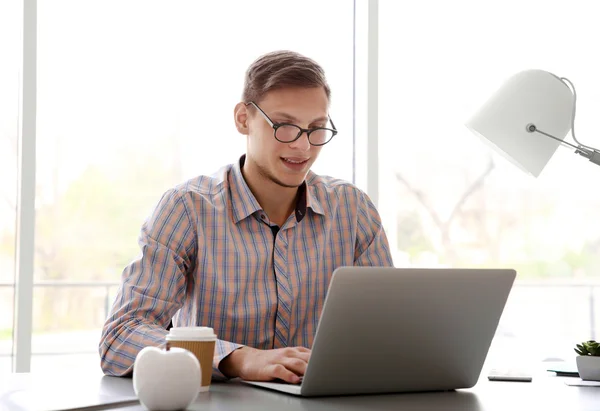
(222,350)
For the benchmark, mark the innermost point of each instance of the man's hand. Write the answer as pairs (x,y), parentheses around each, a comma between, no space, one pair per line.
(287,364)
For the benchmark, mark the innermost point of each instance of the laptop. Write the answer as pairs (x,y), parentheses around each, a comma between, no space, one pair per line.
(393,330)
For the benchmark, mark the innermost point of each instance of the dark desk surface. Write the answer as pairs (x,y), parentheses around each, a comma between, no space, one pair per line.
(546,392)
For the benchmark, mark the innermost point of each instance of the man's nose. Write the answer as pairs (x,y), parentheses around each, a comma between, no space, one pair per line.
(302,143)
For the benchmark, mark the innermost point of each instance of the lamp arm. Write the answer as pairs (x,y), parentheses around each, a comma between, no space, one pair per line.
(593,156)
(588,152)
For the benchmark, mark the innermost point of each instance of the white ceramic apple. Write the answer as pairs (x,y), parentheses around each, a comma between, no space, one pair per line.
(166,380)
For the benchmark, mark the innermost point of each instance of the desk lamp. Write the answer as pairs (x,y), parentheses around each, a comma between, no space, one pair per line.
(528,118)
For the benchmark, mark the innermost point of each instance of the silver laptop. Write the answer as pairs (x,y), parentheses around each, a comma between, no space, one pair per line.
(390,330)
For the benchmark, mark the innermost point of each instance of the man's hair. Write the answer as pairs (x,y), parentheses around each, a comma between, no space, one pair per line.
(281,69)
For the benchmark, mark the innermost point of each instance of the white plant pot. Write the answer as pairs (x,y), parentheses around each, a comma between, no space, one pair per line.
(588,367)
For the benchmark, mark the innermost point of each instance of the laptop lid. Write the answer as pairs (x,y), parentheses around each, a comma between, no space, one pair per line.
(403,329)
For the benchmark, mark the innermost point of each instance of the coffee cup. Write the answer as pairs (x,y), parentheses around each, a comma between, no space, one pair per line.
(201,342)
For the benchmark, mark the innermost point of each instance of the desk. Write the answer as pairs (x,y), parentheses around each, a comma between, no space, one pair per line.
(546,392)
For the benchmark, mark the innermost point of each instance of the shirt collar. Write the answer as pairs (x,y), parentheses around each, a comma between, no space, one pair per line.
(245,204)
(311,200)
(242,200)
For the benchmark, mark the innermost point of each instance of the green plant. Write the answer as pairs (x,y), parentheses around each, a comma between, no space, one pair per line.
(588,348)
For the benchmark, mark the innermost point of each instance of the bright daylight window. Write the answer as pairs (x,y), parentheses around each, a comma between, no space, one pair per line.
(133,98)
(11,18)
(457,204)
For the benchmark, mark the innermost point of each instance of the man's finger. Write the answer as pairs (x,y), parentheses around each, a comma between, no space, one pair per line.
(302,349)
(296,365)
(281,372)
(304,356)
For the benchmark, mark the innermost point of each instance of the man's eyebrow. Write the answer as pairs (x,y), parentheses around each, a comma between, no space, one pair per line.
(289,117)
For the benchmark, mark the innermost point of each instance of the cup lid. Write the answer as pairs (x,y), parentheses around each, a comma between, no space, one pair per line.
(191,333)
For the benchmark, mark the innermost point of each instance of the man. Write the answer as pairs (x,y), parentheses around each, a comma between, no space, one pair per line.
(250,250)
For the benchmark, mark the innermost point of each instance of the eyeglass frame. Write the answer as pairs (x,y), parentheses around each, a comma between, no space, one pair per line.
(308,131)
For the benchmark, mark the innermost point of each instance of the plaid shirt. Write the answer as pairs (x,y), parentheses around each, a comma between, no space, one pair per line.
(210,256)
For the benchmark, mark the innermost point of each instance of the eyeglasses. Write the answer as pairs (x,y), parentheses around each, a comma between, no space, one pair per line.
(288,133)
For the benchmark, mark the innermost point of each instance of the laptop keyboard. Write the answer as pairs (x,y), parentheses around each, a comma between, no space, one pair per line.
(278,381)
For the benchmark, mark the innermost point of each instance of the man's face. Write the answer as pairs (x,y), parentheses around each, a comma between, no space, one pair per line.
(286,164)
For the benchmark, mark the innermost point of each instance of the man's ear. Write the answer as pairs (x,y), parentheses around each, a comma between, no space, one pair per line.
(240,116)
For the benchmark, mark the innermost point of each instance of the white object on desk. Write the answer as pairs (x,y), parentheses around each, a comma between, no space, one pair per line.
(582,383)
(588,367)
(509,374)
(166,380)
(64,391)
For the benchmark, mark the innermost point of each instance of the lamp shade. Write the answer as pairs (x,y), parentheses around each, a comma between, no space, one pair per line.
(529,97)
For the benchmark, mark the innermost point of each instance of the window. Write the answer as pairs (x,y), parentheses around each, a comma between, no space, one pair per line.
(140,99)
(10,52)
(456,203)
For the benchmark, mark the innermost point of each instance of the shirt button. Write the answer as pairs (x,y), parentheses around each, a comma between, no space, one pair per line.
(263,216)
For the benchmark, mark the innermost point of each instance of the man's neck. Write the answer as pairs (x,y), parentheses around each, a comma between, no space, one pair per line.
(277,201)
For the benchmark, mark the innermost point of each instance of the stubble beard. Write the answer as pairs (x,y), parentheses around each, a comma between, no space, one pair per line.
(269,176)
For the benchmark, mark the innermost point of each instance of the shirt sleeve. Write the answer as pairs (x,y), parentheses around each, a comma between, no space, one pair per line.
(153,289)
(372,247)
(222,350)
(152,286)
